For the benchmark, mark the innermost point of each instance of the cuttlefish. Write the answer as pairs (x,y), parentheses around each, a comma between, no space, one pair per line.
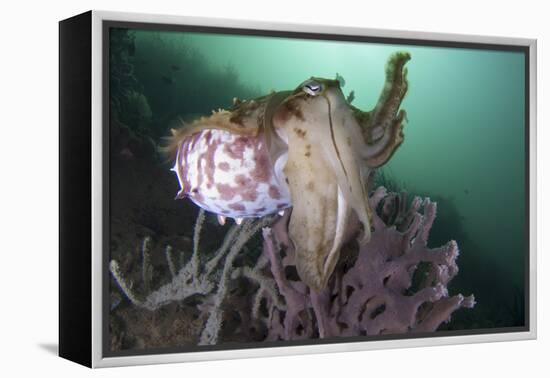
(308,149)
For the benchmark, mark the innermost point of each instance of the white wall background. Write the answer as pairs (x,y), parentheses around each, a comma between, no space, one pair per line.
(28,200)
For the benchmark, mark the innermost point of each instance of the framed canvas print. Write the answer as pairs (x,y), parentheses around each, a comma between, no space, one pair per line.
(232,189)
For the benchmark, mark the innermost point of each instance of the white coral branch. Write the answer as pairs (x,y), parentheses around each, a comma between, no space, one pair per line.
(248,229)
(170,260)
(196,278)
(121,282)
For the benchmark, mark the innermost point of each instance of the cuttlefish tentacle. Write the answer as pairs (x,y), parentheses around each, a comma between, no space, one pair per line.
(343,154)
(382,127)
(314,214)
(388,144)
(342,218)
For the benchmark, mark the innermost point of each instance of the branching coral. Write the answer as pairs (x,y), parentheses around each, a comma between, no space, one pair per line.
(395,283)
(196,277)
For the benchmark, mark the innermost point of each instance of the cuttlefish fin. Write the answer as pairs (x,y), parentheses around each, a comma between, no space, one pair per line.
(243,119)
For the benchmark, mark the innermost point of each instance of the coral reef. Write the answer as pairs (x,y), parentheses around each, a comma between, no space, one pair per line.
(206,278)
(393,284)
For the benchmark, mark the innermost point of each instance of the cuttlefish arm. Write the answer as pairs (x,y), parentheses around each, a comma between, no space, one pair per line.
(382,127)
(315,214)
(323,172)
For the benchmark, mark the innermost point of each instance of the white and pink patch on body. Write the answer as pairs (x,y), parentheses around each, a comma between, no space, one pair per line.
(230,175)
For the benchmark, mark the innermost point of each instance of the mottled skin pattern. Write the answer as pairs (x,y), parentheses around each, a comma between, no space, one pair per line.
(308,148)
(229,174)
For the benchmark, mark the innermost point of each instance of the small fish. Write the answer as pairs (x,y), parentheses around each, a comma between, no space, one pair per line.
(167,80)
(126,154)
(351,97)
(340,79)
(174,67)
(466,191)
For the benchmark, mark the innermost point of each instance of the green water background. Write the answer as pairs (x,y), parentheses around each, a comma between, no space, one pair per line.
(464,139)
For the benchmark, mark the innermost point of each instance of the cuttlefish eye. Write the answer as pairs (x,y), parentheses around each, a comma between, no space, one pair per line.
(312,87)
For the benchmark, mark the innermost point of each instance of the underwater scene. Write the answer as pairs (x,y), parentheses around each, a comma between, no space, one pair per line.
(269,191)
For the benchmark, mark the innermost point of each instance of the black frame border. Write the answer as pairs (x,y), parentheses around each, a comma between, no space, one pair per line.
(75,188)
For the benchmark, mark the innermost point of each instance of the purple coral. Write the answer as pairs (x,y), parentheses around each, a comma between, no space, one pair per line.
(393,284)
